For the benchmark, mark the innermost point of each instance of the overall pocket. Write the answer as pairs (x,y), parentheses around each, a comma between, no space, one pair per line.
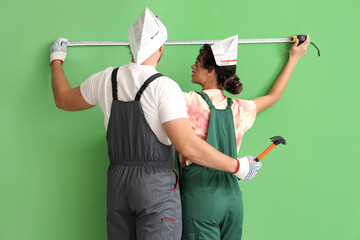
(170,229)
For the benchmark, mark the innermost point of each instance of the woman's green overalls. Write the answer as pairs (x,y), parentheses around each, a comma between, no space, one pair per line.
(211,200)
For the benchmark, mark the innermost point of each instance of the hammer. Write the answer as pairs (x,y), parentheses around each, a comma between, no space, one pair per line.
(275,141)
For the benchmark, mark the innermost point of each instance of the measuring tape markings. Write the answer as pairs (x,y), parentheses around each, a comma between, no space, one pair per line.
(181,42)
(301,38)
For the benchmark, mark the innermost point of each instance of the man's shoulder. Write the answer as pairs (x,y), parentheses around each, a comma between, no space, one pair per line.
(165,81)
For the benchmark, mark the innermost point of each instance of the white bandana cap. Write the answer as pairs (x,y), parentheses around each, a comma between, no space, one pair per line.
(146,35)
(225,51)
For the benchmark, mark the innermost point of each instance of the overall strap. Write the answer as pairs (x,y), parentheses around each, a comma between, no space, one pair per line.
(211,105)
(206,98)
(114,83)
(146,83)
(230,102)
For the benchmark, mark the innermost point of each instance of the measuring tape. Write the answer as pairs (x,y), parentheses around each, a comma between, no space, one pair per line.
(184,42)
(301,38)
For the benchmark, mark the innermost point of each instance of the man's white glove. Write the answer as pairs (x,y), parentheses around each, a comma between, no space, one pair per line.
(58,50)
(248,168)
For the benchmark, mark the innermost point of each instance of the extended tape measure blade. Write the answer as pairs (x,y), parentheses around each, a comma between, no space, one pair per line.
(181,42)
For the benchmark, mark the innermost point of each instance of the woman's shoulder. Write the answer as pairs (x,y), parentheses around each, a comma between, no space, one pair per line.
(242,101)
(194,99)
(244,104)
(191,95)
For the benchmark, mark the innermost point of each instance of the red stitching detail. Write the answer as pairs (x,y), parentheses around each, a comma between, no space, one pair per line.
(177,180)
(168,219)
(57,60)
(238,168)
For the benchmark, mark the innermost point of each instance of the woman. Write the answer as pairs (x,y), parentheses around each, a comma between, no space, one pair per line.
(211,199)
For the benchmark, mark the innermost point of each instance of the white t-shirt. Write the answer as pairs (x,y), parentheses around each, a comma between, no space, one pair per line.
(162,100)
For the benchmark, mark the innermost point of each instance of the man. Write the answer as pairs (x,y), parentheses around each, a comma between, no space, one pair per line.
(145,117)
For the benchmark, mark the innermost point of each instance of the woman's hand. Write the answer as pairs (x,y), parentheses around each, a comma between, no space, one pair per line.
(279,86)
(296,51)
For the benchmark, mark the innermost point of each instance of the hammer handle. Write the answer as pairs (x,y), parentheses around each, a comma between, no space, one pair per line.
(265,152)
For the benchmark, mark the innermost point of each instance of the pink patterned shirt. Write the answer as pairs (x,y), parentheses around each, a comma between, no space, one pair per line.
(244,112)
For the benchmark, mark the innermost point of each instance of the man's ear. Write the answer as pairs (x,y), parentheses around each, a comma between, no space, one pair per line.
(161,51)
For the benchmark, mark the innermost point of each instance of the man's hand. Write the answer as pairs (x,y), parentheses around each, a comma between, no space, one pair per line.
(248,168)
(58,50)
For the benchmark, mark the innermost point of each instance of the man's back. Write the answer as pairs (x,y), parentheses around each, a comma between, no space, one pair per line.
(162,100)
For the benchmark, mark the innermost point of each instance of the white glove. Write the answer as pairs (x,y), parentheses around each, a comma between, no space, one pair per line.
(248,168)
(58,50)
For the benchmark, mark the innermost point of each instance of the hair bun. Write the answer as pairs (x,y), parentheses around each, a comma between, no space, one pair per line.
(232,84)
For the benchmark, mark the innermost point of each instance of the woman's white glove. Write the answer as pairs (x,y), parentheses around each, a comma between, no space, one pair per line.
(58,50)
(248,168)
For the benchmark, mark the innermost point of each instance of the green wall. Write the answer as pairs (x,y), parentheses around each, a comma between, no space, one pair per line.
(53,163)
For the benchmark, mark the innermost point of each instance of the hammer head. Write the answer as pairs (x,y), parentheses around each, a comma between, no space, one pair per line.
(277,140)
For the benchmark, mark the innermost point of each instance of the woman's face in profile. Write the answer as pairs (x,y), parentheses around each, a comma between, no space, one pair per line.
(199,74)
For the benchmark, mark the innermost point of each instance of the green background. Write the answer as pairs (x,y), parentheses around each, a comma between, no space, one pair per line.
(53,163)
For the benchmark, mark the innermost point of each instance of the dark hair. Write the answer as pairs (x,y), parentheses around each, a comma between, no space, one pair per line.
(226,76)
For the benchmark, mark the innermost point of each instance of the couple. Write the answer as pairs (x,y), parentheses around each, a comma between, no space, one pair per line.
(147,116)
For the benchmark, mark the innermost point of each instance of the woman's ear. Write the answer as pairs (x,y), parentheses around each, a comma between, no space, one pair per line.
(211,71)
